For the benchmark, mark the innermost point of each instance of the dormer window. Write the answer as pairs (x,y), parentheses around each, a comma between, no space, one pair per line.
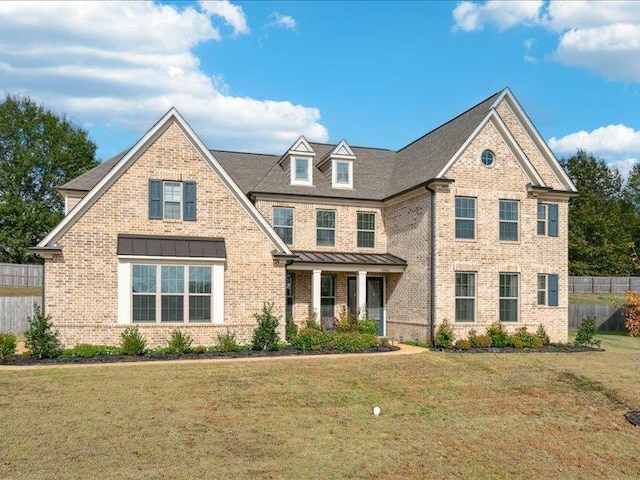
(301,171)
(342,171)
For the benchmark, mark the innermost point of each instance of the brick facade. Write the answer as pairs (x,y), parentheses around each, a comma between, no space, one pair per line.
(82,285)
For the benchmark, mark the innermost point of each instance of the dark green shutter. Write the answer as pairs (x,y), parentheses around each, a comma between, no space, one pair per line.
(553,290)
(189,201)
(553,219)
(155,199)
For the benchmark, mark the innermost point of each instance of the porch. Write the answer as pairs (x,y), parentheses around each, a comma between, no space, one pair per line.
(321,284)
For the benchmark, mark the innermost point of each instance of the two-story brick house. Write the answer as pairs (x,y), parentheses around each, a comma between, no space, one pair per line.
(467,223)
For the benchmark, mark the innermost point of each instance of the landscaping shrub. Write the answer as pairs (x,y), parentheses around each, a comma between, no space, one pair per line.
(180,343)
(8,345)
(265,336)
(631,311)
(542,334)
(523,339)
(199,349)
(472,337)
(498,335)
(40,339)
(367,325)
(132,342)
(482,341)
(227,342)
(86,350)
(346,322)
(312,322)
(587,332)
(444,335)
(353,342)
(462,344)
(310,338)
(290,328)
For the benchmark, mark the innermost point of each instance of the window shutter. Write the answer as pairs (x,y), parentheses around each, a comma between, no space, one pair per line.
(553,290)
(155,199)
(553,219)
(189,192)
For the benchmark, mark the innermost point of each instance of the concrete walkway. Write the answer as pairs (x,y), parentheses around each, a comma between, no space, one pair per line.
(404,350)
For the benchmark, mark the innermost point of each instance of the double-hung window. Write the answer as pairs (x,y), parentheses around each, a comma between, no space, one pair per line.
(548,289)
(342,174)
(465,218)
(366,228)
(465,296)
(283,223)
(509,286)
(548,219)
(172,200)
(325,228)
(171,293)
(509,213)
(301,172)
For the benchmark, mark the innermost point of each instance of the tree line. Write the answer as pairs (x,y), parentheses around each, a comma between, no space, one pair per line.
(41,150)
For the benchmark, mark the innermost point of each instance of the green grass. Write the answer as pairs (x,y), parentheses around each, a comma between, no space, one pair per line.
(597,298)
(20,291)
(444,415)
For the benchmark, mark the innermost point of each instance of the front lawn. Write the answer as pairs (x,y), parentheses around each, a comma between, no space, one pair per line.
(443,416)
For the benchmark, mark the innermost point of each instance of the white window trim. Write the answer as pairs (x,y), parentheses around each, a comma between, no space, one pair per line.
(367,231)
(546,290)
(334,174)
(474,298)
(335,227)
(296,181)
(293,221)
(180,201)
(517,222)
(546,219)
(473,219)
(516,298)
(125,277)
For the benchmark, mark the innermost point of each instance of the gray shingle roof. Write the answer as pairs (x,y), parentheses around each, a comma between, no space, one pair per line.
(377,173)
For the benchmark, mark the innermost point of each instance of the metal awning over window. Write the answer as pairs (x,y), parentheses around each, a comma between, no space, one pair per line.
(169,246)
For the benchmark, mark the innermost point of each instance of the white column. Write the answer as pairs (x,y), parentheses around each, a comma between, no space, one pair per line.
(315,297)
(362,293)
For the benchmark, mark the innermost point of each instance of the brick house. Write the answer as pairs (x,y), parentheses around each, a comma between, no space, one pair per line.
(467,223)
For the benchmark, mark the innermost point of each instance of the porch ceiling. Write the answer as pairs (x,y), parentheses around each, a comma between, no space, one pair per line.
(381,262)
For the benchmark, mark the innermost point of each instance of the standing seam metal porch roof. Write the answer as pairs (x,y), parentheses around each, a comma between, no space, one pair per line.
(171,246)
(343,258)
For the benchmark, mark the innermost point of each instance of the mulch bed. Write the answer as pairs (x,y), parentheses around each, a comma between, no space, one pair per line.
(20,360)
(546,349)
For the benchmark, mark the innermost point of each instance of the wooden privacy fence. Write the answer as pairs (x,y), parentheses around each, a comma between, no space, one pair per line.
(604,284)
(608,317)
(20,275)
(14,313)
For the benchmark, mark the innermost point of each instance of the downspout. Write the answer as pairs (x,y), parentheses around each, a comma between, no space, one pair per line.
(433,269)
(44,263)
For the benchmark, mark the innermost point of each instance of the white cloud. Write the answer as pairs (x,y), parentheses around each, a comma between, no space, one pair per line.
(600,36)
(284,21)
(619,145)
(471,16)
(127,63)
(233,15)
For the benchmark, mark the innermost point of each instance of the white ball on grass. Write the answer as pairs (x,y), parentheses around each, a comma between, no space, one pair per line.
(376,411)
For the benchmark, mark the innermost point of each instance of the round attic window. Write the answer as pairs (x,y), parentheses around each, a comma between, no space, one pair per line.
(487,158)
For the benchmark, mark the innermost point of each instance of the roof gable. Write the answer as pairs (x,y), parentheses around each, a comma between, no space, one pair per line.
(121,165)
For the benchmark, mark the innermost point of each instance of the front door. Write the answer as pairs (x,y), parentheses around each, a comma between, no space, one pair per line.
(375,301)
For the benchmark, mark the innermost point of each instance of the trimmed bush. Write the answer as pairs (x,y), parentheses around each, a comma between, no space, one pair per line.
(462,344)
(86,350)
(499,336)
(542,334)
(444,335)
(132,342)
(8,345)
(587,332)
(290,328)
(366,325)
(180,343)
(354,342)
(40,339)
(227,342)
(523,339)
(265,336)
(310,338)
(481,341)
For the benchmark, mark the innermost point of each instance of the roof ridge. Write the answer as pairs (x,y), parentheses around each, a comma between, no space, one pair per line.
(451,120)
(353,146)
(244,153)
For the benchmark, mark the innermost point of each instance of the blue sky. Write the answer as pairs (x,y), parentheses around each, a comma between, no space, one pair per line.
(253,76)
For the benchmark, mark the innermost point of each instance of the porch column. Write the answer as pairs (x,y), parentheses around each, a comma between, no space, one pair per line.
(315,293)
(362,294)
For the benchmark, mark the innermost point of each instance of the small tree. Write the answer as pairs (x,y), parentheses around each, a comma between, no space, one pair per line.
(41,340)
(132,342)
(265,336)
(631,310)
(444,335)
(587,332)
